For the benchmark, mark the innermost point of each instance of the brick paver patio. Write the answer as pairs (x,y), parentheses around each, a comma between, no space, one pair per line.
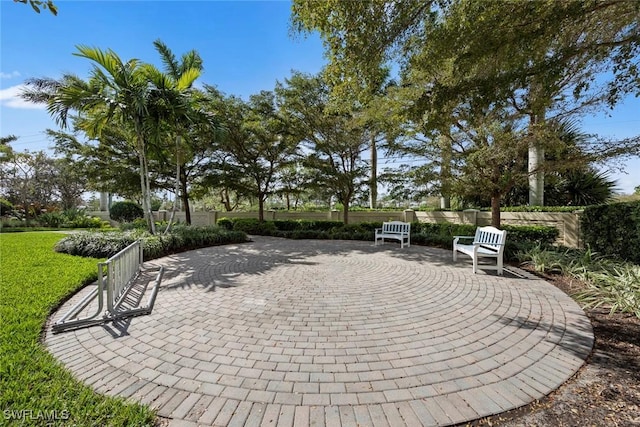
(333,333)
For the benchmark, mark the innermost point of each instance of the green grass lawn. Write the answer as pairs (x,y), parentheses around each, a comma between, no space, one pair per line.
(33,385)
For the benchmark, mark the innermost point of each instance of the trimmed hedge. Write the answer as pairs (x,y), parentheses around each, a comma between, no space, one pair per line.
(613,230)
(181,238)
(125,211)
(519,238)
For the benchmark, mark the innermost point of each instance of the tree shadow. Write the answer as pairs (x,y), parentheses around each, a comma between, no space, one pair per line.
(574,337)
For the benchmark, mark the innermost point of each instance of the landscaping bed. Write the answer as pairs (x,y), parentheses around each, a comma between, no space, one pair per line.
(604,392)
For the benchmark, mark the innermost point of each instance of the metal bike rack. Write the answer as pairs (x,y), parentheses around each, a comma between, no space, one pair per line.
(116,278)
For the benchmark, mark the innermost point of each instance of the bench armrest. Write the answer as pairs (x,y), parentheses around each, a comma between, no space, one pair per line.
(464,237)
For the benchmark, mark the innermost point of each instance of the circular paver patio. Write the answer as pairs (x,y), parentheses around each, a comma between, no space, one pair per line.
(329,333)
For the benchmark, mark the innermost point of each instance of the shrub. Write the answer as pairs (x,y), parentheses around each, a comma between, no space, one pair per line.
(51,219)
(136,224)
(609,283)
(225,223)
(6,208)
(181,238)
(613,229)
(125,211)
(253,226)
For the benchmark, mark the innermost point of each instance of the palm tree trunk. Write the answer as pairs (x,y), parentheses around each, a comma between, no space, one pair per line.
(177,187)
(184,194)
(145,187)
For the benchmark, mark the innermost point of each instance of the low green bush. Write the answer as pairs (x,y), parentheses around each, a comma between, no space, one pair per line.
(125,211)
(430,234)
(51,219)
(6,208)
(85,222)
(609,283)
(541,208)
(225,223)
(136,224)
(181,238)
(613,229)
(253,226)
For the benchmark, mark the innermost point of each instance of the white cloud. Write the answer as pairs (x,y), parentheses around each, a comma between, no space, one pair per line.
(10,98)
(9,75)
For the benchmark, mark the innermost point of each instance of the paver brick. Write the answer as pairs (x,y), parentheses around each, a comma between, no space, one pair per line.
(352,334)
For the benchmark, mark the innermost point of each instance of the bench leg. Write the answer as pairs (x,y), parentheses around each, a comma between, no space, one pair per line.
(500,266)
(475,265)
(455,254)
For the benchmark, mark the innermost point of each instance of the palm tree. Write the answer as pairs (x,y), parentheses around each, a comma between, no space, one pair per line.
(115,91)
(177,110)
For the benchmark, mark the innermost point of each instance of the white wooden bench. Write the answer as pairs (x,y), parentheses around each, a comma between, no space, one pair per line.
(487,243)
(394,230)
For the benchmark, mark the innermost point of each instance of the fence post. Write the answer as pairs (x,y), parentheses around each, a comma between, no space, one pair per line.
(470,216)
(409,215)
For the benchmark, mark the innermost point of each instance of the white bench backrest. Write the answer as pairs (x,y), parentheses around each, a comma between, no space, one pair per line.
(491,238)
(396,227)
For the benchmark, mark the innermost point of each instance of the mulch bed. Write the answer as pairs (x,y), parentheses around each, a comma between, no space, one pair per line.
(604,392)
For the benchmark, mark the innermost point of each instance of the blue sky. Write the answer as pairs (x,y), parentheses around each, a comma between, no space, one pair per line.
(246,46)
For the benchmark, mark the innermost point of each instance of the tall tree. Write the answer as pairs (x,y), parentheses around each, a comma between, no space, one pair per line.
(333,140)
(539,56)
(115,91)
(178,111)
(6,152)
(28,180)
(256,144)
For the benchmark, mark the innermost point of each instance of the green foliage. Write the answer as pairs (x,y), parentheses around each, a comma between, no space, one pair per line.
(181,238)
(541,208)
(51,219)
(125,211)
(6,208)
(431,234)
(225,223)
(34,280)
(609,283)
(613,229)
(253,226)
(136,224)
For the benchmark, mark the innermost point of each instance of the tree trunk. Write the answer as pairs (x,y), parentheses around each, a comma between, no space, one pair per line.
(445,202)
(536,159)
(495,210)
(373,182)
(288,199)
(184,194)
(104,200)
(345,211)
(146,205)
(260,207)
(445,174)
(536,175)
